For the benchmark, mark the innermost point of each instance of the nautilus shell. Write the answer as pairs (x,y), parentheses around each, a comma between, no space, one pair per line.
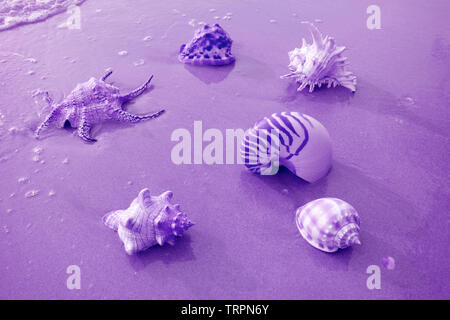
(319,63)
(290,139)
(211,45)
(328,224)
(148,221)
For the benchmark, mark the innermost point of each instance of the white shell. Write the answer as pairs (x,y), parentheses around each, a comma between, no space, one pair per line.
(319,63)
(148,221)
(328,224)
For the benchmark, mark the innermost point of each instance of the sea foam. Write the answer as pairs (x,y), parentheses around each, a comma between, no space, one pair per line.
(18,12)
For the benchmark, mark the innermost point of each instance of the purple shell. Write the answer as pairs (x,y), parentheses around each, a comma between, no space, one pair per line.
(211,46)
(148,221)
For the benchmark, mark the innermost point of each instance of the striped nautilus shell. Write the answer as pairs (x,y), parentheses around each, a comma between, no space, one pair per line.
(148,221)
(328,224)
(290,139)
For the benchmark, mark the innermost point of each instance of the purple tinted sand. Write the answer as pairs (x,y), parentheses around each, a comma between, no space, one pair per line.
(390,146)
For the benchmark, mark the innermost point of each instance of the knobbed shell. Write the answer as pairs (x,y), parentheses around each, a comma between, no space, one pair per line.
(328,224)
(319,63)
(290,139)
(211,46)
(148,221)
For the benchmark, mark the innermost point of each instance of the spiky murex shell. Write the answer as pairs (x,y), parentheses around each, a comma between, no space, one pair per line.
(319,63)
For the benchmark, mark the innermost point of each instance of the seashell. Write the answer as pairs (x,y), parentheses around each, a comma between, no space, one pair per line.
(319,63)
(93,102)
(328,224)
(148,221)
(211,45)
(290,139)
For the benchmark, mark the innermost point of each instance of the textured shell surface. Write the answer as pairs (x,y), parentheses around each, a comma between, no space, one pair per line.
(290,139)
(319,63)
(93,102)
(211,45)
(148,221)
(328,224)
(94,95)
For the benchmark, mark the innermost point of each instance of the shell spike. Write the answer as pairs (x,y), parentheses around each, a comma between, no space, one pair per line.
(145,197)
(167,195)
(316,35)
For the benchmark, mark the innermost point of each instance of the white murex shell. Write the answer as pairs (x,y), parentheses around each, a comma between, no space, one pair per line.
(328,224)
(318,63)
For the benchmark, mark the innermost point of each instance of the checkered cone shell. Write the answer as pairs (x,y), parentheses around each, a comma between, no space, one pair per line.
(328,224)
(148,221)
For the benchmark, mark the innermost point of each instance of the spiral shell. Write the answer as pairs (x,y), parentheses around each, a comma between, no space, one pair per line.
(290,139)
(328,224)
(319,63)
(148,221)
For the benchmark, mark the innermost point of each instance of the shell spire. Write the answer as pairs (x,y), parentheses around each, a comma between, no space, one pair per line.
(328,224)
(319,63)
(149,220)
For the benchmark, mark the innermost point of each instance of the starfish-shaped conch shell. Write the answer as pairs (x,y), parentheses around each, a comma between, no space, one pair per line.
(148,221)
(90,103)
